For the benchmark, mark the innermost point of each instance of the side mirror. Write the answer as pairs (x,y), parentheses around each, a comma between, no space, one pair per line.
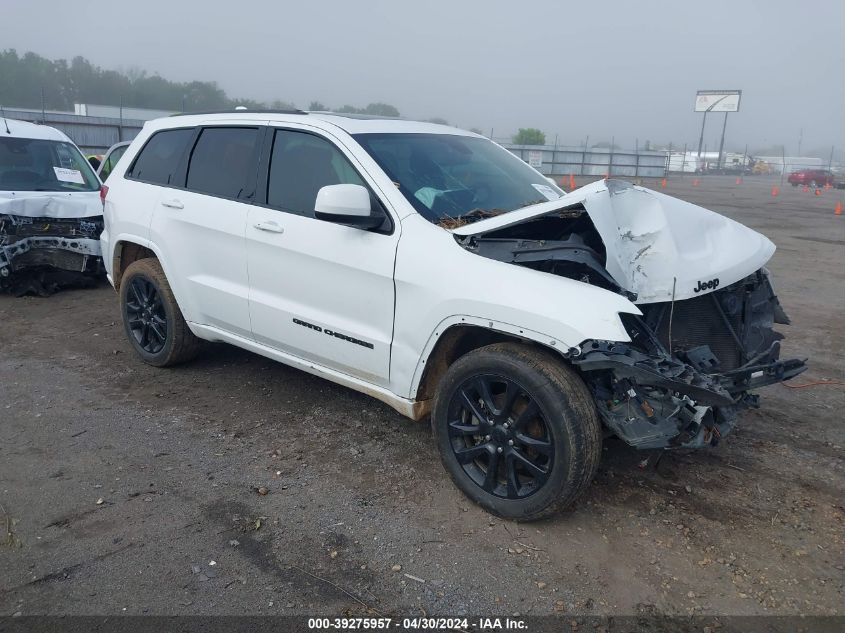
(346,204)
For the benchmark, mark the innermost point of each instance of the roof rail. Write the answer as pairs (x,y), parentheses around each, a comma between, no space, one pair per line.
(241,111)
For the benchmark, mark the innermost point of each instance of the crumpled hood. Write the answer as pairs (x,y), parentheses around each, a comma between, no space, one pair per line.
(655,243)
(79,204)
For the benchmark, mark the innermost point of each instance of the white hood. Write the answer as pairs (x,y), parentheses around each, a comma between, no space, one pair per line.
(77,204)
(655,242)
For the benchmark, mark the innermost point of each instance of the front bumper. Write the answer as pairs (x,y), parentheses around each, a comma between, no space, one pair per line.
(37,254)
(691,396)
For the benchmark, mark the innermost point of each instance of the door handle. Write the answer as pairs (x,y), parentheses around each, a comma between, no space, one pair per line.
(269,226)
(172,204)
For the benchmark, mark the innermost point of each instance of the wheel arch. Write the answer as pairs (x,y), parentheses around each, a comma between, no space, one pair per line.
(127,251)
(459,335)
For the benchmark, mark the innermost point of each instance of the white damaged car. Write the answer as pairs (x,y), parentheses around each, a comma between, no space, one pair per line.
(51,214)
(430,268)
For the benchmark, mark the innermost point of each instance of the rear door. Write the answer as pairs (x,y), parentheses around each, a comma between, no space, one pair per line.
(318,290)
(199,225)
(133,199)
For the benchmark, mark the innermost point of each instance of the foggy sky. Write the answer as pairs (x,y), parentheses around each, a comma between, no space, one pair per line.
(606,69)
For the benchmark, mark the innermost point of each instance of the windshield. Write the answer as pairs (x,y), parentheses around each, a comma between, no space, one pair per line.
(28,164)
(448,177)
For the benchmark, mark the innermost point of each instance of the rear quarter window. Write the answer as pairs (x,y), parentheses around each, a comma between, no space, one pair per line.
(159,159)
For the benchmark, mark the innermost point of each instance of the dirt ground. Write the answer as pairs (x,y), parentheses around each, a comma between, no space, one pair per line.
(132,490)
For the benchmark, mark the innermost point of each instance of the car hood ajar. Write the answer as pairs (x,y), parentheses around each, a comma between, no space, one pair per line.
(655,243)
(57,205)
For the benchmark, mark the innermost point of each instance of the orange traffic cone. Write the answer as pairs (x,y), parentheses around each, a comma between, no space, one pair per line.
(738,180)
(805,188)
(775,191)
(571,182)
(838,209)
(663,183)
(695,182)
(818,192)
(827,185)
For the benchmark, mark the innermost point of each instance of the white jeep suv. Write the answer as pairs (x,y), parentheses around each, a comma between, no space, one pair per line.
(430,268)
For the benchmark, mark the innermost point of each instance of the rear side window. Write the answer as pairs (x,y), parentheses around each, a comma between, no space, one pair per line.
(158,161)
(300,165)
(222,162)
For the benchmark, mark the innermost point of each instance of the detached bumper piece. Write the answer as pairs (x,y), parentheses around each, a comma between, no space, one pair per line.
(41,255)
(722,347)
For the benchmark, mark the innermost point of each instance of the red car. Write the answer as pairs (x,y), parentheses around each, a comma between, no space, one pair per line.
(818,177)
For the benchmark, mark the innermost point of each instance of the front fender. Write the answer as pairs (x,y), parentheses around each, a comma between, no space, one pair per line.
(440,284)
(458,320)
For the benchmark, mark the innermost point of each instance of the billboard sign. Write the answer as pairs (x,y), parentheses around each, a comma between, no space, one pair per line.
(717,100)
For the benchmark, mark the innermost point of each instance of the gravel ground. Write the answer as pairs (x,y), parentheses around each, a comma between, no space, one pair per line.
(130,489)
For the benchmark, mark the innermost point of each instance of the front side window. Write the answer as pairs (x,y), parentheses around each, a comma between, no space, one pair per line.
(40,165)
(158,161)
(300,165)
(447,177)
(222,161)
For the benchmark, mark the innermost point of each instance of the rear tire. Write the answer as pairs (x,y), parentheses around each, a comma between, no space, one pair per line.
(152,319)
(517,430)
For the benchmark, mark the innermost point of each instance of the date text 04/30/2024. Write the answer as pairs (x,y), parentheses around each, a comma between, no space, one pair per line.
(435,624)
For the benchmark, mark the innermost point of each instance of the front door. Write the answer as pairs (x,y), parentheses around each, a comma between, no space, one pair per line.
(319,291)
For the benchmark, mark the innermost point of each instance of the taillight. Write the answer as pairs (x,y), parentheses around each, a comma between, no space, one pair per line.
(103,193)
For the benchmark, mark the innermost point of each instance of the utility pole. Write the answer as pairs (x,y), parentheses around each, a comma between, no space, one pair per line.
(43,107)
(701,136)
(610,158)
(800,139)
(722,142)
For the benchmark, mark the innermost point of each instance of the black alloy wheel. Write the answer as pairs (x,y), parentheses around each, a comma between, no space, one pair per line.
(517,430)
(152,320)
(500,437)
(145,315)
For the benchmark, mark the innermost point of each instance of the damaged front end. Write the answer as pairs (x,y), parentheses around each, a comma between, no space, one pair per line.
(690,366)
(705,339)
(39,255)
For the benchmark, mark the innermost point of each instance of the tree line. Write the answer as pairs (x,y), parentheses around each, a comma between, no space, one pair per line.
(33,81)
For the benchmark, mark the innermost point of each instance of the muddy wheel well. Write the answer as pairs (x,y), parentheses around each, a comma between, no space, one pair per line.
(454,343)
(124,254)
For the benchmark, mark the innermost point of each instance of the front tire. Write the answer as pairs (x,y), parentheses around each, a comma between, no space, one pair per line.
(517,430)
(152,319)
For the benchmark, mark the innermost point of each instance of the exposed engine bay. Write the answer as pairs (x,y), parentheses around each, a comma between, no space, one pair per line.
(40,255)
(705,338)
